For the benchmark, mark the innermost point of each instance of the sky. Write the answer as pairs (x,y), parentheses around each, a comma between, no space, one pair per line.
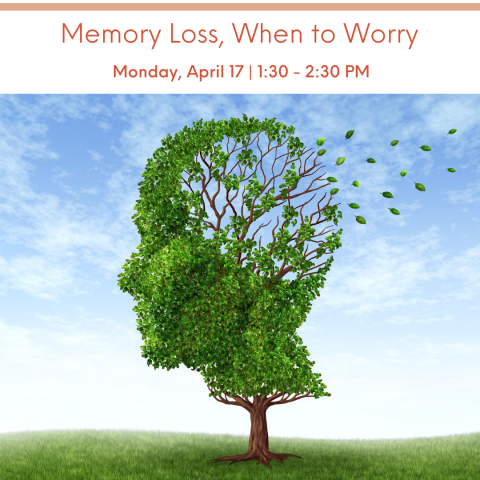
(394,333)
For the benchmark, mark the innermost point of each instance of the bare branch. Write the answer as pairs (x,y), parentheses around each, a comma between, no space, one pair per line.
(238,400)
(222,400)
(293,399)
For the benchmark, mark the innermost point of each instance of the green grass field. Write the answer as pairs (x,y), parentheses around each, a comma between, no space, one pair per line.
(140,455)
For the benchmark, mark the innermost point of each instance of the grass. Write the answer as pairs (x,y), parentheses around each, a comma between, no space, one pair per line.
(140,455)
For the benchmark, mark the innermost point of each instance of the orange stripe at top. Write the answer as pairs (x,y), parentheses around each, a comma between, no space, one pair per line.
(245,7)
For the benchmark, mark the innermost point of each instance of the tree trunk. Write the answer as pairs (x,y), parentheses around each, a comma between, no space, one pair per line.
(258,444)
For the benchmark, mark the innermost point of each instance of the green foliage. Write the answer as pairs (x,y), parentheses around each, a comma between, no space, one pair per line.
(233,323)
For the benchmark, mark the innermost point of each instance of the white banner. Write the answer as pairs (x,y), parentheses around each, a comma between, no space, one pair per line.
(205,51)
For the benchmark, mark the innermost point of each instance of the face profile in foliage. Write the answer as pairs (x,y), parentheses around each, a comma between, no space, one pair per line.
(232,316)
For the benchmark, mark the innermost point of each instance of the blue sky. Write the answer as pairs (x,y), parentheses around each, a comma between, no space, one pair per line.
(395,332)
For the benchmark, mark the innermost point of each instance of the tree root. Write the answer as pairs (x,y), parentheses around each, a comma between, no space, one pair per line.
(262,457)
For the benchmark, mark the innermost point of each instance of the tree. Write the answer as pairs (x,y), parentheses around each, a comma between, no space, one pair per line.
(231,318)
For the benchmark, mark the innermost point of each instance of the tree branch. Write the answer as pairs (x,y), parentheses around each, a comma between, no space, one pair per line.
(238,400)
(249,219)
(270,401)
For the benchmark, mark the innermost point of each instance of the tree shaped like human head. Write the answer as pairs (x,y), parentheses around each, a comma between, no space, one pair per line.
(230,316)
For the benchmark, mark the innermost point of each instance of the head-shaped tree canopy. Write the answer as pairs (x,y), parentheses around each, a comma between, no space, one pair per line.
(231,318)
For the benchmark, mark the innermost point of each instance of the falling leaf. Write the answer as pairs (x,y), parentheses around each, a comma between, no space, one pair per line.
(394,142)
(403,173)
(349,134)
(452,131)
(425,148)
(451,169)
(360,219)
(321,152)
(387,195)
(419,186)
(321,141)
(356,184)
(340,160)
(333,191)
(394,211)
(353,205)
(370,160)
(331,179)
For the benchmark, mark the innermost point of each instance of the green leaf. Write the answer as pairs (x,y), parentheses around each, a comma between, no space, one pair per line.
(451,169)
(387,195)
(331,179)
(321,141)
(394,142)
(333,191)
(360,219)
(321,152)
(353,205)
(356,183)
(370,160)
(349,134)
(452,131)
(425,148)
(419,187)
(340,160)
(394,211)
(403,173)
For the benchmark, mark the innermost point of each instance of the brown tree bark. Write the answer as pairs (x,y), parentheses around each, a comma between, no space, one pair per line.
(258,443)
